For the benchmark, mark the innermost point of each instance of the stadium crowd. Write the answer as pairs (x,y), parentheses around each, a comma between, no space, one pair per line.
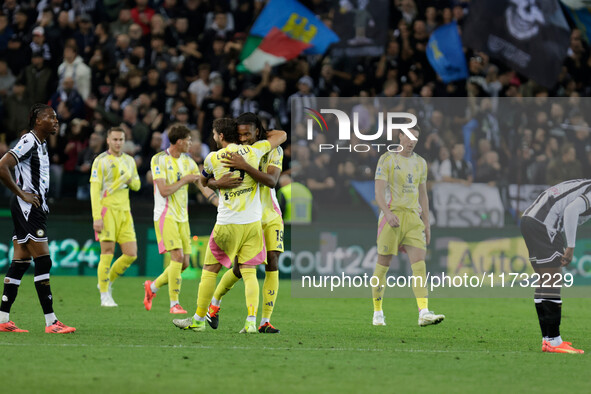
(147,64)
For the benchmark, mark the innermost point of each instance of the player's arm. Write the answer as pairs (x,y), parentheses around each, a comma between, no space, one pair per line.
(380,190)
(96,185)
(276,137)
(571,219)
(167,190)
(227,181)
(424,203)
(268,178)
(209,194)
(7,163)
(134,182)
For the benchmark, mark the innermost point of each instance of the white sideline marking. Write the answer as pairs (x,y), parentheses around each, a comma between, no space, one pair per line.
(260,348)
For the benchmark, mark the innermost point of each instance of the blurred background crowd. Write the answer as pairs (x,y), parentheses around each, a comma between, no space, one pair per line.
(146,64)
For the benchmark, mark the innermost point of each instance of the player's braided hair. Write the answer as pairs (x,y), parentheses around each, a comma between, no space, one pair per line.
(34,112)
(248,118)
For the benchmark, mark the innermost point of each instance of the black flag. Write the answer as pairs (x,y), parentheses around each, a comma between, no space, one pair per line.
(530,36)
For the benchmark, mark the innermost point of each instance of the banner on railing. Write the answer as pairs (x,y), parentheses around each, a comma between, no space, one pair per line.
(477,205)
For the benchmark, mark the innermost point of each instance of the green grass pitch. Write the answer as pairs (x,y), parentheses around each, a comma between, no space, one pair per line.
(325,345)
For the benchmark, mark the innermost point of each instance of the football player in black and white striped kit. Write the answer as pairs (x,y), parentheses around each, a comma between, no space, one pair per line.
(558,209)
(28,207)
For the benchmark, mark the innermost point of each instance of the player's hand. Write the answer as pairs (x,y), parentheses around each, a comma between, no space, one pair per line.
(31,198)
(427,234)
(392,219)
(97,225)
(235,161)
(190,178)
(228,181)
(567,257)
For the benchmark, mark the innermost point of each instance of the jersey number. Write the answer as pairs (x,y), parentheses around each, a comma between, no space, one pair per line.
(232,169)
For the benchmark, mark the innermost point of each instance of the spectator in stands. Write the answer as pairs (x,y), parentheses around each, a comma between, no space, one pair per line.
(456,169)
(199,89)
(38,79)
(565,167)
(22,25)
(17,54)
(84,36)
(490,170)
(305,99)
(16,112)
(272,102)
(319,178)
(123,22)
(67,102)
(148,151)
(122,49)
(484,146)
(76,141)
(435,167)
(141,14)
(215,99)
(220,28)
(95,147)
(157,50)
(136,131)
(7,79)
(64,27)
(38,43)
(5,32)
(246,102)
(73,66)
(119,98)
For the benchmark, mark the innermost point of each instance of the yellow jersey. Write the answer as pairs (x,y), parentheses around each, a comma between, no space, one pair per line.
(165,166)
(108,179)
(403,176)
(268,197)
(240,205)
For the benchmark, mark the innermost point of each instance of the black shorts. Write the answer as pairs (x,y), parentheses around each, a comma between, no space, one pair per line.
(543,251)
(28,225)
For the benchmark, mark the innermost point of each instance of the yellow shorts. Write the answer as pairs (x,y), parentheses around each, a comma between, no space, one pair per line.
(228,241)
(117,227)
(411,232)
(273,231)
(172,235)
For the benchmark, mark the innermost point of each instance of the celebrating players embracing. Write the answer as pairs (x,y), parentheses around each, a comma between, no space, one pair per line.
(250,130)
(238,233)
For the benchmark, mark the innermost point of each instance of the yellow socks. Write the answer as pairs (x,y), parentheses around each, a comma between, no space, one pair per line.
(102,272)
(120,265)
(377,293)
(174,280)
(270,289)
(206,289)
(162,279)
(419,269)
(251,289)
(226,283)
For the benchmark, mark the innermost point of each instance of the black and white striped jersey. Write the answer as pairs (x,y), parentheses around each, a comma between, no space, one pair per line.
(32,169)
(550,205)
